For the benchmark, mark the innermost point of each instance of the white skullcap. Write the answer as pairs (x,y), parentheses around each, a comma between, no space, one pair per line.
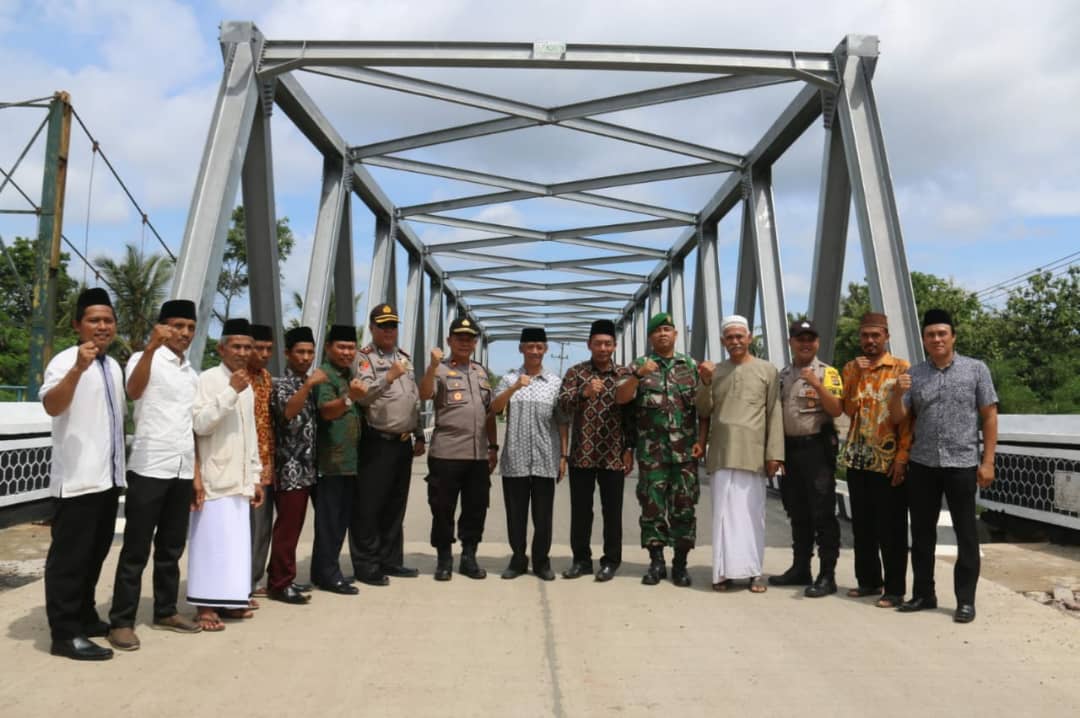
(734,320)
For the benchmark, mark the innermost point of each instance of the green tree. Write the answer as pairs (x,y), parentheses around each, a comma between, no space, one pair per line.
(930,291)
(138,283)
(233,280)
(17,267)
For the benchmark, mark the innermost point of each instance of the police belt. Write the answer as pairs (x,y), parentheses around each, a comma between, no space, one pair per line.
(808,439)
(388,436)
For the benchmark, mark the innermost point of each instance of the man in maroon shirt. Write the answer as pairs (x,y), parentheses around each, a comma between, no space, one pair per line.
(601,451)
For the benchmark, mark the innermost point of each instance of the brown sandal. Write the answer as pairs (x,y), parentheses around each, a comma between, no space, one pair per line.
(758,585)
(209,622)
(887,601)
(236,613)
(863,592)
(722,585)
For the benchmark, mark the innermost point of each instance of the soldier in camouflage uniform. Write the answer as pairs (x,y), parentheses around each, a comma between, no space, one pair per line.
(662,389)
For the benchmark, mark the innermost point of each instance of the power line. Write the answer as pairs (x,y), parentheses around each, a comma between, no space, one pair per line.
(1023,276)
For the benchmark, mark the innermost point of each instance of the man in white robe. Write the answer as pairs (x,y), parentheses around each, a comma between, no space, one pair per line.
(741,424)
(219,554)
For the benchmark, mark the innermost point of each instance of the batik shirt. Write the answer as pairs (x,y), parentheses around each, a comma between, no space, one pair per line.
(261,386)
(601,430)
(874,442)
(294,459)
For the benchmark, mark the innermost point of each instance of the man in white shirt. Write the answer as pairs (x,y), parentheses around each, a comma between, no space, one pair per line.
(82,390)
(162,383)
(228,480)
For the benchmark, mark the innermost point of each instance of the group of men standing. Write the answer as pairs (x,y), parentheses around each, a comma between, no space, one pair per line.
(226,461)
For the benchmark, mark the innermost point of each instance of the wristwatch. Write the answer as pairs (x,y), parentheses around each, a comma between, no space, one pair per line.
(348,401)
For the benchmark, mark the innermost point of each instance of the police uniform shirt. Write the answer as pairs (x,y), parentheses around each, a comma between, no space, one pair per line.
(462,398)
(392,408)
(803,413)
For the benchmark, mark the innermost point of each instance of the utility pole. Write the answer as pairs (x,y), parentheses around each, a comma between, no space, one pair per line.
(560,356)
(50,229)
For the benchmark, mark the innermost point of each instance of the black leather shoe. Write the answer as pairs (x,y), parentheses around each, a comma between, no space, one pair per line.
(467,566)
(302,587)
(545,573)
(289,595)
(965,613)
(917,603)
(792,577)
(80,649)
(823,586)
(512,572)
(343,587)
(606,572)
(97,629)
(375,579)
(578,569)
(401,571)
(444,566)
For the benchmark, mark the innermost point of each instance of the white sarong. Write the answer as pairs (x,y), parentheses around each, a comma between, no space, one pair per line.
(738,526)
(219,553)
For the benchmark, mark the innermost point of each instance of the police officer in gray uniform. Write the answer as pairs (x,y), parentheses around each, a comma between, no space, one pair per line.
(464,448)
(810,397)
(391,437)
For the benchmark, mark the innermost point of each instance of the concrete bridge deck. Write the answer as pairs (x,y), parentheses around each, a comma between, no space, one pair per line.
(565,648)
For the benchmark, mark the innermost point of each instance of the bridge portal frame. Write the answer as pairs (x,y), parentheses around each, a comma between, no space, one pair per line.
(260,73)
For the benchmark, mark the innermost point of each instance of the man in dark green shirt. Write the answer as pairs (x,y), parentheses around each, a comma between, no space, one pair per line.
(336,436)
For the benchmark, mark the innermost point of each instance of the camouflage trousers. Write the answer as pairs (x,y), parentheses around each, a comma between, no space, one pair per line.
(667,494)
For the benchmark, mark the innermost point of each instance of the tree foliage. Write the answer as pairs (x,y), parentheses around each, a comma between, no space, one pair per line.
(233,280)
(138,284)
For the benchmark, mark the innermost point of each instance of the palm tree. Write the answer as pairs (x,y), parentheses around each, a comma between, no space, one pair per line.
(139,284)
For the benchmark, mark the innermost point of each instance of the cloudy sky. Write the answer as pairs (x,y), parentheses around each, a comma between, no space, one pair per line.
(978,101)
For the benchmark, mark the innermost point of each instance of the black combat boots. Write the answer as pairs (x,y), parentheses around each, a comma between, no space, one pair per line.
(444,565)
(679,576)
(468,566)
(798,575)
(657,570)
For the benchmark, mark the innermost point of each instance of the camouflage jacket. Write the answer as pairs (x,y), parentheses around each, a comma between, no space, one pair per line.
(667,422)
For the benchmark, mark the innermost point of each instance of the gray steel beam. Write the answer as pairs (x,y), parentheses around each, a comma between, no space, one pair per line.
(708,309)
(382,258)
(656,304)
(478,272)
(412,336)
(282,55)
(435,327)
(579,197)
(799,115)
(766,248)
(476,243)
(203,247)
(875,203)
(829,250)
(613,246)
(438,137)
(641,330)
(746,279)
(324,249)
(677,302)
(344,281)
(260,223)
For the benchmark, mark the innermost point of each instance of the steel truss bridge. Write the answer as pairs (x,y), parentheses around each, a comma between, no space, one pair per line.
(836,86)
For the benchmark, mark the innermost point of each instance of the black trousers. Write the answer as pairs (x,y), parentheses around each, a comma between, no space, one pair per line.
(519,492)
(879,525)
(82,532)
(808,492)
(262,527)
(376,540)
(926,485)
(446,479)
(156,512)
(583,484)
(333,501)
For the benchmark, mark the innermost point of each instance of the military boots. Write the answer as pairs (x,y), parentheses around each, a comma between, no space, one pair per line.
(468,566)
(679,576)
(798,575)
(657,570)
(444,565)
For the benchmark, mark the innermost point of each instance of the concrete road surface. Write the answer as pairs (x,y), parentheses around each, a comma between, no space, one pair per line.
(565,648)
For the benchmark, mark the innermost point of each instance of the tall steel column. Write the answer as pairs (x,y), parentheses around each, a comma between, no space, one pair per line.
(344,281)
(50,232)
(382,259)
(767,260)
(199,262)
(324,248)
(875,203)
(832,228)
(708,308)
(260,227)
(677,303)
(746,280)
(412,337)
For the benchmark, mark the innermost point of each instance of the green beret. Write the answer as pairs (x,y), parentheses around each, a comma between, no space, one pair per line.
(660,320)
